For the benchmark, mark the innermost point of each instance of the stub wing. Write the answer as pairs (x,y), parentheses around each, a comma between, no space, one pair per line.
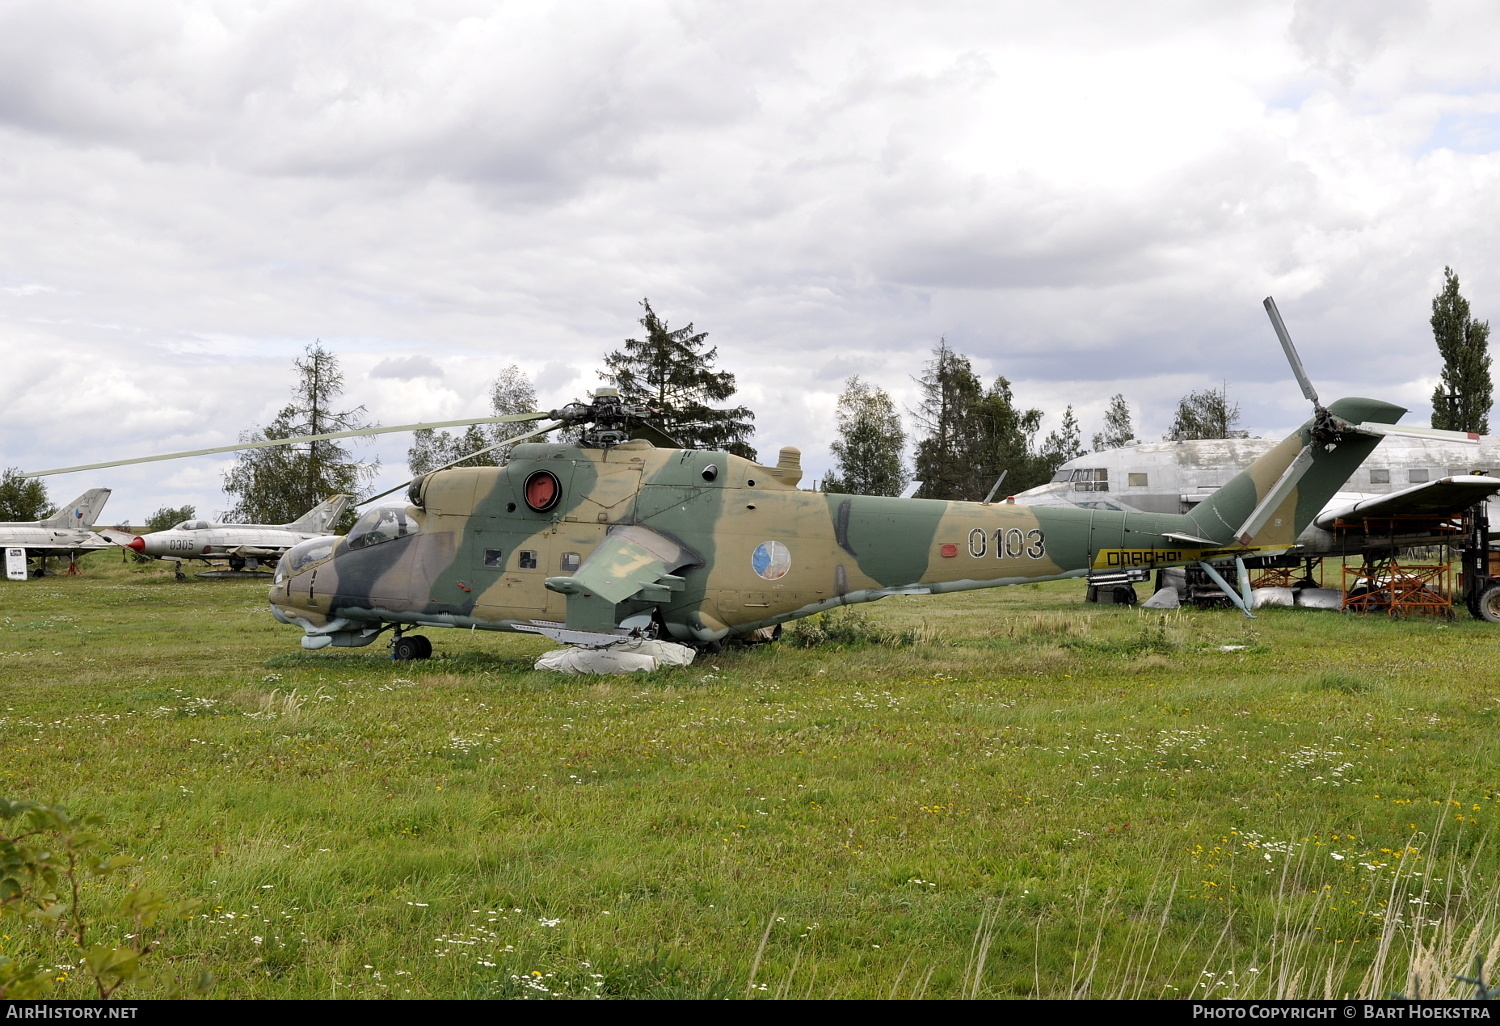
(632,564)
(1448,496)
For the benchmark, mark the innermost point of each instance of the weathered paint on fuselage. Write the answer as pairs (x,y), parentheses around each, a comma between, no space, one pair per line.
(749,551)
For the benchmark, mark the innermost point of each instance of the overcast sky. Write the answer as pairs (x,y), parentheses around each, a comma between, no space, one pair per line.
(1086,197)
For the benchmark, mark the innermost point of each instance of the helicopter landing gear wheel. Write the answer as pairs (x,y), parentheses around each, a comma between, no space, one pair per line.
(411,646)
(1487,606)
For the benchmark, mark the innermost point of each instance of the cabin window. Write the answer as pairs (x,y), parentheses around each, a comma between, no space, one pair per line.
(1091,480)
(494,558)
(1138,480)
(1418,476)
(570,562)
(526,560)
(1380,476)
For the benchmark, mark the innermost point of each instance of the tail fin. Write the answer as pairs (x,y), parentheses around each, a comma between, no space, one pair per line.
(81,512)
(321,517)
(1227,510)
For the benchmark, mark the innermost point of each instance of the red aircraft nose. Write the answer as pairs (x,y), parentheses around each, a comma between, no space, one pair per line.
(138,544)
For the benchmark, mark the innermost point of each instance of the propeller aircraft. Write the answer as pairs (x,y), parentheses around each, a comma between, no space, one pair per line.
(613,537)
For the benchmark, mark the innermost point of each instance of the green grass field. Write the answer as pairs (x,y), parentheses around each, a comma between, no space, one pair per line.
(1037,798)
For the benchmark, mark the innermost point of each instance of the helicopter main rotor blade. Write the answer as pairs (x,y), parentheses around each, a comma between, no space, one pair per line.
(477,452)
(511,418)
(1291,352)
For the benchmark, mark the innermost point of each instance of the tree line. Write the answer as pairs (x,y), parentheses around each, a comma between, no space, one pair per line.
(967,434)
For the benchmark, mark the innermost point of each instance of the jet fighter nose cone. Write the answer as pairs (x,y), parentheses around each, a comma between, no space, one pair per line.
(137,543)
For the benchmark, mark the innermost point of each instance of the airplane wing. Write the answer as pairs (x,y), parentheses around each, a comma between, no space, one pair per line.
(60,542)
(1448,496)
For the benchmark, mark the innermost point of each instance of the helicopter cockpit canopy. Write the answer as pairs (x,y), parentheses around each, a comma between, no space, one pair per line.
(381,524)
(304,553)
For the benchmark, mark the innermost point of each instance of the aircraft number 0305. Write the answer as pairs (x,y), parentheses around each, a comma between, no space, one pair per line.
(1009,543)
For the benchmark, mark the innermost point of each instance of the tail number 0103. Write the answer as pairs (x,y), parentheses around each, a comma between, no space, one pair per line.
(1008,543)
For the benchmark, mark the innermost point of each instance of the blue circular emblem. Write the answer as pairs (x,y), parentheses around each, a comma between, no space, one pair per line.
(771,560)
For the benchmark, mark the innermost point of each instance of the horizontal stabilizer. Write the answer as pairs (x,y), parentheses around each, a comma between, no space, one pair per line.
(1190,539)
(1449,496)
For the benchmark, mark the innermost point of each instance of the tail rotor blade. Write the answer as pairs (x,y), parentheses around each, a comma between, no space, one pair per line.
(1371,428)
(1291,352)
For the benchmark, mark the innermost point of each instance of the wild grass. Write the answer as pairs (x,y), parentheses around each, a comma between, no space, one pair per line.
(1030,797)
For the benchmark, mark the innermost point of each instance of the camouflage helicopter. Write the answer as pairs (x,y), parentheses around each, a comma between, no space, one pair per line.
(615,537)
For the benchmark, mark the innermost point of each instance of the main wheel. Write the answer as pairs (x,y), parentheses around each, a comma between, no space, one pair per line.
(424,647)
(1487,607)
(1125,595)
(407,648)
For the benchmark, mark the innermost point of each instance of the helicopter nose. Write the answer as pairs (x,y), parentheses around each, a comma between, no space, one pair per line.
(137,544)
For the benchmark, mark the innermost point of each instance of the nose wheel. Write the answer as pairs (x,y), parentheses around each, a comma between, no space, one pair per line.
(411,646)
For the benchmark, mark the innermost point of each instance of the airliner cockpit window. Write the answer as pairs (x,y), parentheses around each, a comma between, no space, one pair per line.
(381,524)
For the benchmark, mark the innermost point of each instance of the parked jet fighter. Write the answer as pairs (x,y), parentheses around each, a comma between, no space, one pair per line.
(65,533)
(242,546)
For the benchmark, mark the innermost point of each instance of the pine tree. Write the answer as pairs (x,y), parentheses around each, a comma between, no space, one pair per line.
(1461,401)
(972,434)
(1118,431)
(1002,439)
(511,392)
(869,449)
(672,371)
(1060,446)
(1206,413)
(278,484)
(23,498)
(949,392)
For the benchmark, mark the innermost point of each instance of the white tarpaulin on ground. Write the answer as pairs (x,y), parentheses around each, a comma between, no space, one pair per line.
(1166,598)
(626,657)
(1272,597)
(1320,598)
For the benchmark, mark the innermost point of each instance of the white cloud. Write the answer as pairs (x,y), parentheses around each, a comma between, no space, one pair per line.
(1086,198)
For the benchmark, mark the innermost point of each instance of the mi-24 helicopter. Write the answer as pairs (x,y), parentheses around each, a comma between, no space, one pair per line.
(615,537)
